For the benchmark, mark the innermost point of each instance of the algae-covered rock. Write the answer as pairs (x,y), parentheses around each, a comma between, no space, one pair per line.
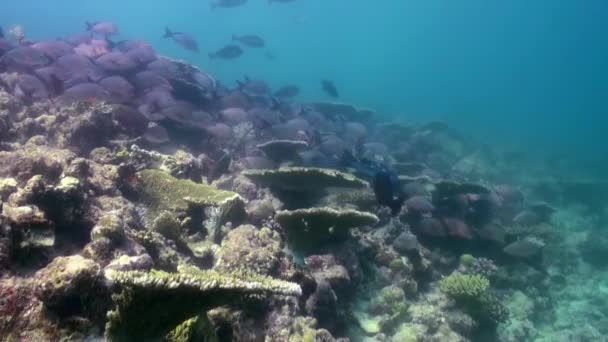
(194,329)
(304,179)
(72,286)
(252,249)
(153,303)
(313,227)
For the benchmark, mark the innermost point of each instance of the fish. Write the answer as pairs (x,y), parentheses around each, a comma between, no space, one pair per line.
(525,248)
(1,32)
(227,3)
(387,190)
(287,92)
(280,1)
(250,40)
(103,27)
(183,39)
(385,182)
(229,51)
(329,88)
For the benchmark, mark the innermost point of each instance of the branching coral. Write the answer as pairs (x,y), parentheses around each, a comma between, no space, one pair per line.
(464,285)
(153,303)
(473,294)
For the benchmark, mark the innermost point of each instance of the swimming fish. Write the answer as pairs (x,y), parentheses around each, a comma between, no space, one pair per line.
(329,88)
(1,32)
(229,51)
(103,27)
(183,39)
(385,182)
(250,40)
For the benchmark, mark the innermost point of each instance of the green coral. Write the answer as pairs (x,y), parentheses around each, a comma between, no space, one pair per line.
(467,260)
(311,228)
(460,285)
(472,293)
(197,328)
(153,303)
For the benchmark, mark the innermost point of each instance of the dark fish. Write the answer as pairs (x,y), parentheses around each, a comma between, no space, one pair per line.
(385,182)
(249,40)
(287,92)
(387,190)
(229,51)
(183,39)
(227,3)
(1,32)
(329,88)
(280,1)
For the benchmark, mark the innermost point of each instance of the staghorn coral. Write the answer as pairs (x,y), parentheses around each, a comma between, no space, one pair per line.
(311,228)
(464,286)
(472,293)
(153,303)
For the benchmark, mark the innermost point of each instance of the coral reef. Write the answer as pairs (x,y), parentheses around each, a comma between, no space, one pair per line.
(145,201)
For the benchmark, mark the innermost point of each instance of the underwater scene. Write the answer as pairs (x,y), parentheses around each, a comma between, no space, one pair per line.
(304,171)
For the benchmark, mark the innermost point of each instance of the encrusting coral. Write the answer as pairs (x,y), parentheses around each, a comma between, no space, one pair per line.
(153,303)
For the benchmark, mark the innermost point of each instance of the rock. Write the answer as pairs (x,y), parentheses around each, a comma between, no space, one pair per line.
(247,248)
(130,263)
(326,268)
(7,187)
(72,286)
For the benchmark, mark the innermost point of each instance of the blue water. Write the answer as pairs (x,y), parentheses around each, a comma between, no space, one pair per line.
(529,74)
